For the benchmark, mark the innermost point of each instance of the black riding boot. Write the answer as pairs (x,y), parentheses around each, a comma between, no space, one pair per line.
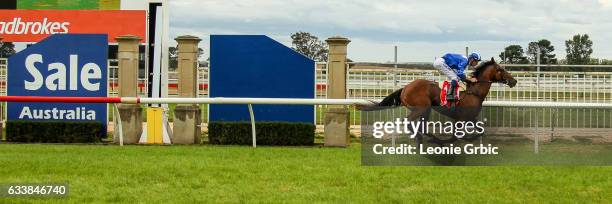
(450,94)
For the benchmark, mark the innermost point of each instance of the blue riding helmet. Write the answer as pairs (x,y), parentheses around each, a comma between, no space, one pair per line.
(474,56)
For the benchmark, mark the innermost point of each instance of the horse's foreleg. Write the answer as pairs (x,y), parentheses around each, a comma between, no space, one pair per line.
(415,116)
(437,140)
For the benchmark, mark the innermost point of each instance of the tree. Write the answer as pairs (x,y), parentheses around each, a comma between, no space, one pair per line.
(513,54)
(200,52)
(546,50)
(7,49)
(310,46)
(579,49)
(173,56)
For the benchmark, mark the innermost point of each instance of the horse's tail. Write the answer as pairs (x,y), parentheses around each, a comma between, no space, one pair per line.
(388,102)
(394,99)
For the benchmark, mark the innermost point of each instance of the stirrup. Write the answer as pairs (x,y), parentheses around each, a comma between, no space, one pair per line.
(450,96)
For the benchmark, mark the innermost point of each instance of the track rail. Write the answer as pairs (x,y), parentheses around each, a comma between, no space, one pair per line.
(218,100)
(274,101)
(251,101)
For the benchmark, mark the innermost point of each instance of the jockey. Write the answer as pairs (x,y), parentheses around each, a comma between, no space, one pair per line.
(453,66)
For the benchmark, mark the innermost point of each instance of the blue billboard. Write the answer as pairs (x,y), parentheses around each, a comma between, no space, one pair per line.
(72,65)
(256,66)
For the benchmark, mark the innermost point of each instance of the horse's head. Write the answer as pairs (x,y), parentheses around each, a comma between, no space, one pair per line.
(493,72)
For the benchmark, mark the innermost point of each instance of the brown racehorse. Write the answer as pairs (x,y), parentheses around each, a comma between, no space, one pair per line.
(420,96)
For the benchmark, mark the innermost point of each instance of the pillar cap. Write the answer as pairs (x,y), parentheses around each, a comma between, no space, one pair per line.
(337,40)
(187,38)
(128,38)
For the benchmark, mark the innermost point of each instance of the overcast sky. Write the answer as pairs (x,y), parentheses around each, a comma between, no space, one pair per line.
(421,29)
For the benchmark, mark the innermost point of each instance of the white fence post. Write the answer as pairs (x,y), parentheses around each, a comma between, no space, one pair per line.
(253,130)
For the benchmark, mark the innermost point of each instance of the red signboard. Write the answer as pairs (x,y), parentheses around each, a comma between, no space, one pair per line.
(35,25)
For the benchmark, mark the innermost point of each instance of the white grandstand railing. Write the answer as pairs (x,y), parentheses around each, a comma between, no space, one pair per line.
(113,80)
(3,90)
(3,70)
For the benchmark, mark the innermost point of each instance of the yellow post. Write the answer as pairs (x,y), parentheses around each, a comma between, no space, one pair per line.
(154,125)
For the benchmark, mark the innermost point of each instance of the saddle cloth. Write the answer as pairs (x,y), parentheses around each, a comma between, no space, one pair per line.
(445,88)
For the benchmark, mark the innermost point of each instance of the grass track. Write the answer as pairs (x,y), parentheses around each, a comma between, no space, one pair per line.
(168,174)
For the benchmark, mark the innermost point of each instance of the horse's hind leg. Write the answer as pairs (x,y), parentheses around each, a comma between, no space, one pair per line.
(437,140)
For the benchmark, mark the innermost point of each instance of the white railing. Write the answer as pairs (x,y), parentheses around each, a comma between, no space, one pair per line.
(113,78)
(203,82)
(3,71)
(113,81)
(375,84)
(557,87)
(548,86)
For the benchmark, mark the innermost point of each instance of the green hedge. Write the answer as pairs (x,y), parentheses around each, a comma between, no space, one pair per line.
(54,132)
(268,133)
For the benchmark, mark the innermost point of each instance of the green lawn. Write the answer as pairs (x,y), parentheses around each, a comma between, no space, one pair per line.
(205,173)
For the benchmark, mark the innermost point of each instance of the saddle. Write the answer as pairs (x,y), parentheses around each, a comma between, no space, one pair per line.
(445,88)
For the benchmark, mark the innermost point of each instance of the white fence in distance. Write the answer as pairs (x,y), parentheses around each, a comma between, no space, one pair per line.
(557,87)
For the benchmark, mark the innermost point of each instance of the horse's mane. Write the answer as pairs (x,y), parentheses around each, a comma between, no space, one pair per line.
(481,68)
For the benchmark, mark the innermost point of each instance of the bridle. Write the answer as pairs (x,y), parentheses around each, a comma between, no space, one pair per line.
(503,81)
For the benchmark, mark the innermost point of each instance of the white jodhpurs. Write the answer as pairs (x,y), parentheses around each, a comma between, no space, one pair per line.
(441,66)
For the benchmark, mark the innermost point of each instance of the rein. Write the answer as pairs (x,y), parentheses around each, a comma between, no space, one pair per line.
(476,93)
